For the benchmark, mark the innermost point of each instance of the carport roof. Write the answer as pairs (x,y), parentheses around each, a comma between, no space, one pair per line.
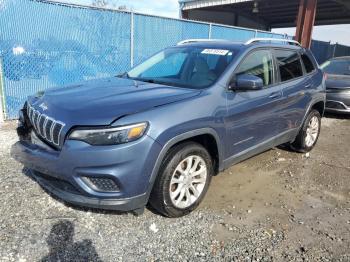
(276,13)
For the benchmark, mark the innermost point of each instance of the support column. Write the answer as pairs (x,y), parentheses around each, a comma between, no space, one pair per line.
(184,14)
(305,22)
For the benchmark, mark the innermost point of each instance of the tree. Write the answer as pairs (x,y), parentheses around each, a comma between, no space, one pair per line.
(110,4)
(100,3)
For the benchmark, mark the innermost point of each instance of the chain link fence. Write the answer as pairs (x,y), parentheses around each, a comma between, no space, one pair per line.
(325,50)
(45,44)
(152,34)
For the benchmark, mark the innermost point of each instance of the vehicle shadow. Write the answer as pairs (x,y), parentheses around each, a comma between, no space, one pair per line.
(27,173)
(286,147)
(63,248)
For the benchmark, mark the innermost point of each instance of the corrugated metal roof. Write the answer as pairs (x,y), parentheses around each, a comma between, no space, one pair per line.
(274,13)
(193,4)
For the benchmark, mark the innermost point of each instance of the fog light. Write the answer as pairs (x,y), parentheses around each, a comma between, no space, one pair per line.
(101,184)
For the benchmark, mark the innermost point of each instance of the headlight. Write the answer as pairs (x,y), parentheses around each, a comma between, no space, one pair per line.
(110,136)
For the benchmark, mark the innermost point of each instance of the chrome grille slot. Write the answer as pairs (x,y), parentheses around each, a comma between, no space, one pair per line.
(56,130)
(46,127)
(35,119)
(41,125)
(49,124)
(30,112)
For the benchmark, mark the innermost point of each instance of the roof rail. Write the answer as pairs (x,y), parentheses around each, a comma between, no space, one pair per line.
(187,41)
(253,40)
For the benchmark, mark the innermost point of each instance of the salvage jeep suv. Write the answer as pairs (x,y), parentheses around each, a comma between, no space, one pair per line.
(158,133)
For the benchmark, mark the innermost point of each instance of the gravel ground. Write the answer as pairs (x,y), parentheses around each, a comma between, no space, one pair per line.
(278,206)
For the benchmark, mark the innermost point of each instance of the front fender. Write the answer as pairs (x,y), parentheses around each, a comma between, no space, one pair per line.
(182,137)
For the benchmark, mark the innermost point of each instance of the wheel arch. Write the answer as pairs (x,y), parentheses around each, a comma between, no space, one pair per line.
(204,136)
(319,105)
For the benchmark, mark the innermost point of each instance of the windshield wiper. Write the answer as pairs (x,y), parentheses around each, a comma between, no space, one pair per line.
(147,80)
(154,81)
(124,75)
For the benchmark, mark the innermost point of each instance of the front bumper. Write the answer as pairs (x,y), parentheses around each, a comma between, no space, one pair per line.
(68,194)
(338,102)
(62,172)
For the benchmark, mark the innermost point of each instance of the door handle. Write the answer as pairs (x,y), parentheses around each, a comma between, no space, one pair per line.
(308,85)
(275,95)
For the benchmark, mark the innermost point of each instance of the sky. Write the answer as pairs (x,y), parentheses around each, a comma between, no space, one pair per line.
(170,8)
(334,33)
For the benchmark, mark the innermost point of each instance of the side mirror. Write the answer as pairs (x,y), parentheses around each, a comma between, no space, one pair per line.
(246,83)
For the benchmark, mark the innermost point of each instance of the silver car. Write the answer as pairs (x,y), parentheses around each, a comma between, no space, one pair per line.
(338,84)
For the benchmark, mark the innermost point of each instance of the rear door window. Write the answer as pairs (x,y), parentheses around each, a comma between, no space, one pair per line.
(288,64)
(309,66)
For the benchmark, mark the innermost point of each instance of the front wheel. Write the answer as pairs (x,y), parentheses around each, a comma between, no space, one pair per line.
(183,180)
(309,133)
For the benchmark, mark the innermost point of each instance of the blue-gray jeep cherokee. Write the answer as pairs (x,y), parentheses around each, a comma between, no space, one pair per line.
(158,133)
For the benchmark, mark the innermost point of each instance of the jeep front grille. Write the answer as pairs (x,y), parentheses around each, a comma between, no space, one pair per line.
(46,127)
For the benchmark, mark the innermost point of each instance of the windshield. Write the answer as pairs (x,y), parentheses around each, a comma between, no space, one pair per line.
(337,67)
(190,67)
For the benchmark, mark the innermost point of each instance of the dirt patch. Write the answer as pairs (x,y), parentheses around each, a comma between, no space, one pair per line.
(307,197)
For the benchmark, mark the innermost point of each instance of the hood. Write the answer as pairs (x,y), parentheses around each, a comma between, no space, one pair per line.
(100,102)
(338,82)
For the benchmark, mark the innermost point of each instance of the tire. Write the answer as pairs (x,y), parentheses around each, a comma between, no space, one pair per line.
(309,133)
(174,183)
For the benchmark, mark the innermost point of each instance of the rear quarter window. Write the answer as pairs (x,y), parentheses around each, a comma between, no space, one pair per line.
(309,66)
(289,64)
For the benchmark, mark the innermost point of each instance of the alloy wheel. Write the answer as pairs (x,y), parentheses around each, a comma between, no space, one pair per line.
(312,131)
(188,181)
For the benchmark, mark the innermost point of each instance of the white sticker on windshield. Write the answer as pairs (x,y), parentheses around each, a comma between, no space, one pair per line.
(215,51)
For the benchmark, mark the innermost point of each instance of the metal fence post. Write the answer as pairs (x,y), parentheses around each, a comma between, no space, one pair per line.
(2,94)
(210,30)
(334,49)
(329,50)
(132,39)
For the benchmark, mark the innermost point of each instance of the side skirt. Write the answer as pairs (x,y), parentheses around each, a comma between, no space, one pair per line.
(262,147)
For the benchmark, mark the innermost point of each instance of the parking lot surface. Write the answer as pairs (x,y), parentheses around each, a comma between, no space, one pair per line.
(278,206)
